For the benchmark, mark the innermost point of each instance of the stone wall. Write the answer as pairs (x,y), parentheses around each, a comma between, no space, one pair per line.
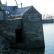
(33,30)
(7,29)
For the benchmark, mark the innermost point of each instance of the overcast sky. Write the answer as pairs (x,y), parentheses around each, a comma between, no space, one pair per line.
(43,6)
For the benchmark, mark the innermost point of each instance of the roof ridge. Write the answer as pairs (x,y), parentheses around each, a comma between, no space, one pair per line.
(27,7)
(17,11)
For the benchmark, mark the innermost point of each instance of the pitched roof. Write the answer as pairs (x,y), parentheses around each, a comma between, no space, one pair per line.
(15,11)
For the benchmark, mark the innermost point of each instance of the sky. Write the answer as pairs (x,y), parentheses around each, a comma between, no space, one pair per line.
(43,6)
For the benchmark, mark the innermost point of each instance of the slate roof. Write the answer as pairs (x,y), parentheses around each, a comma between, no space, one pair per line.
(17,11)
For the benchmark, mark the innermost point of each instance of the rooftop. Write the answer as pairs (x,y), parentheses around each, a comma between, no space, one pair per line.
(15,11)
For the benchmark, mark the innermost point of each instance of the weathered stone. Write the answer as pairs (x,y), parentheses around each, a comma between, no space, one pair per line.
(26,23)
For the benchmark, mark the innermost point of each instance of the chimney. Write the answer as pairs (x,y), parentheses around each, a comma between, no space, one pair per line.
(21,5)
(6,2)
(16,3)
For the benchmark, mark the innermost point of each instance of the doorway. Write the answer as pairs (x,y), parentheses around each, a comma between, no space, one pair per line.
(19,37)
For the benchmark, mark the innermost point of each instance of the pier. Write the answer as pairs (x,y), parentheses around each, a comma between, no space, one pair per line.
(48,21)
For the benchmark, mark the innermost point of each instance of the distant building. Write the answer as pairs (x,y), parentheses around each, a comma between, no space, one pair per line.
(22,25)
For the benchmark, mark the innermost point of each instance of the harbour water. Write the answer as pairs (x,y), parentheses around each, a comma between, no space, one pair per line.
(49,38)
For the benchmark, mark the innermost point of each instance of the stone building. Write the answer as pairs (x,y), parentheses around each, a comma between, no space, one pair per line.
(21,26)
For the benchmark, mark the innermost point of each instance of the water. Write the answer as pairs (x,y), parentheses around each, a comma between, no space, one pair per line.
(49,38)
